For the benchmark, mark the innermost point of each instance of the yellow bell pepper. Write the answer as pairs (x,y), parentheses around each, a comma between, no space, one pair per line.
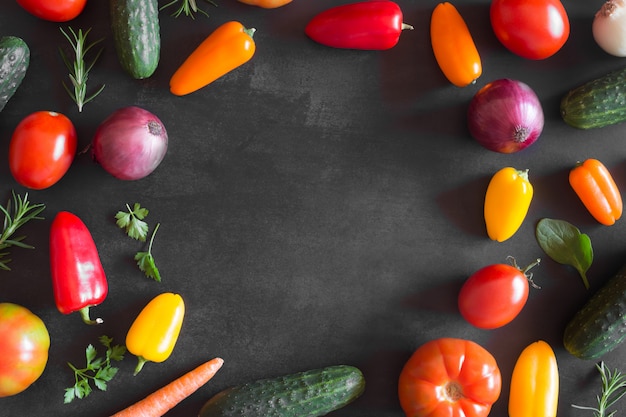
(535,383)
(507,202)
(154,332)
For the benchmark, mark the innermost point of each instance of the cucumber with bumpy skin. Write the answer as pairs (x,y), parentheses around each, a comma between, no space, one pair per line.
(597,103)
(305,394)
(600,325)
(14,61)
(136,33)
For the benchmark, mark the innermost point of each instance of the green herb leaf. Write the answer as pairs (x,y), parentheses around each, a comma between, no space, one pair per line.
(18,212)
(613,389)
(97,369)
(187,7)
(132,221)
(145,260)
(565,244)
(78,67)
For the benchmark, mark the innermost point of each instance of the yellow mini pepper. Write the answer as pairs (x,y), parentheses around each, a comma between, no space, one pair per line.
(507,202)
(154,332)
(535,383)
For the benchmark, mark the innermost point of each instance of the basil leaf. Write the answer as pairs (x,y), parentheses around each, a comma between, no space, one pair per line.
(565,244)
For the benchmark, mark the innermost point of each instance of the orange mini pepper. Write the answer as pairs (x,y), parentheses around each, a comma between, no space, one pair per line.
(228,47)
(507,201)
(266,4)
(534,390)
(595,187)
(453,46)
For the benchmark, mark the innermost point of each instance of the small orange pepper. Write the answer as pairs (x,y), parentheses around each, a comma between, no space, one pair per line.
(507,201)
(534,387)
(595,187)
(266,4)
(228,47)
(453,45)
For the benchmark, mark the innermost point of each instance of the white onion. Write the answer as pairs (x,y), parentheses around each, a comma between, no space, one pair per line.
(505,116)
(130,144)
(609,27)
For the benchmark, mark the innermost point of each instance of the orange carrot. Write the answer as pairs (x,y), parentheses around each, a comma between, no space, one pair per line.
(164,399)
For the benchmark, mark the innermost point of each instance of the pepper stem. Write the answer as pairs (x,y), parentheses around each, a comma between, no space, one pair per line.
(406,26)
(84,313)
(141,361)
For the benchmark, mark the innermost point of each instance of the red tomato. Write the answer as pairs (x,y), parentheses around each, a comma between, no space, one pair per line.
(494,295)
(24,344)
(53,10)
(533,29)
(449,378)
(42,149)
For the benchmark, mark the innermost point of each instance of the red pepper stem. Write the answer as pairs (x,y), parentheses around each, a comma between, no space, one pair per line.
(406,26)
(141,361)
(84,313)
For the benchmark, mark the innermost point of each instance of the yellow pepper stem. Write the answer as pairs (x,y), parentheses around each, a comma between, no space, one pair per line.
(141,361)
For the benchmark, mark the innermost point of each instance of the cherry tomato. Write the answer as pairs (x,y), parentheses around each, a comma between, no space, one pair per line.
(53,10)
(24,344)
(42,149)
(533,29)
(494,295)
(449,377)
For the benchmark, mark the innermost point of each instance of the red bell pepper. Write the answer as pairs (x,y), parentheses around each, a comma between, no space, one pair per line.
(367,25)
(78,278)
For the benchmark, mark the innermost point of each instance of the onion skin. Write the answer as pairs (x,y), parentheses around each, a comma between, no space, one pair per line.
(505,116)
(609,27)
(130,143)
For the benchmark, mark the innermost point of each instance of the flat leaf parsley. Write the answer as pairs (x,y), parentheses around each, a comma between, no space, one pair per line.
(145,260)
(132,221)
(97,369)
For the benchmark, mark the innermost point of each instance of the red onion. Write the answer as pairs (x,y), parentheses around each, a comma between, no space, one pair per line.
(130,143)
(505,116)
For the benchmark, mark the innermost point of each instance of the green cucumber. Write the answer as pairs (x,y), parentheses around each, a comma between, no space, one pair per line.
(305,394)
(597,103)
(600,325)
(14,61)
(136,34)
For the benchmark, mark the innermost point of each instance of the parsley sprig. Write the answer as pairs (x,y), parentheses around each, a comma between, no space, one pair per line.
(16,213)
(97,369)
(613,389)
(132,221)
(187,7)
(78,67)
(145,260)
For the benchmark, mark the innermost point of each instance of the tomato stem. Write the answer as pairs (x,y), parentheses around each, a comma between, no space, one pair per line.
(453,391)
(529,276)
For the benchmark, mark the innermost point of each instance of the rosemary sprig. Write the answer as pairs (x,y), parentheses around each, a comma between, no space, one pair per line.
(613,389)
(16,214)
(78,67)
(187,7)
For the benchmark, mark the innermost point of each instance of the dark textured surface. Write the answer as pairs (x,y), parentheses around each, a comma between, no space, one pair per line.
(317,206)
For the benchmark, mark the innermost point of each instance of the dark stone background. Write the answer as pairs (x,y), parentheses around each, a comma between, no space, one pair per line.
(317,206)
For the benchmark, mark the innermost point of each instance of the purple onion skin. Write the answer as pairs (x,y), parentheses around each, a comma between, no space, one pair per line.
(130,143)
(505,116)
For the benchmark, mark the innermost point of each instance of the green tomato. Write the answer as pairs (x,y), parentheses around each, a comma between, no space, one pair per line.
(24,344)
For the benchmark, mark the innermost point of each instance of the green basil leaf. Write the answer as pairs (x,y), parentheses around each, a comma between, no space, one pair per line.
(565,244)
